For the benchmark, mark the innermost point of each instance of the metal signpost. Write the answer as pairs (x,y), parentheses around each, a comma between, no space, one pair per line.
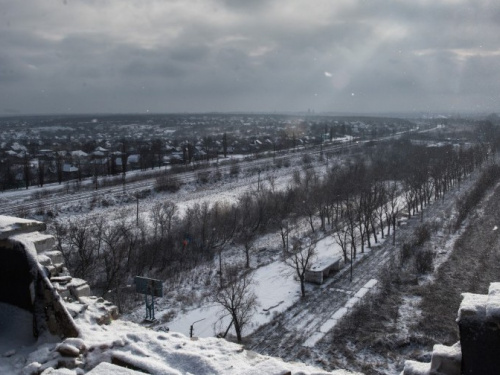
(149,287)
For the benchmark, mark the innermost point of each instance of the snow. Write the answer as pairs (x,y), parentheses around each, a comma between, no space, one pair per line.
(409,312)
(276,287)
(15,327)
(10,225)
(339,314)
(140,348)
(332,322)
(105,368)
(276,290)
(16,338)
(417,368)
(473,306)
(327,252)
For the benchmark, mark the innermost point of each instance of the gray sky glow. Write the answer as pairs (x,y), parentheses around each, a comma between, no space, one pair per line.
(87,56)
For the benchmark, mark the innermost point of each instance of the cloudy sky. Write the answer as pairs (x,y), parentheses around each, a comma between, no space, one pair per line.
(88,56)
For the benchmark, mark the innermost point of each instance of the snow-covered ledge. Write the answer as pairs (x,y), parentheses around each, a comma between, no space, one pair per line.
(10,226)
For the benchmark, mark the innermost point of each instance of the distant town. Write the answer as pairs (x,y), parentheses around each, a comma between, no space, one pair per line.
(38,150)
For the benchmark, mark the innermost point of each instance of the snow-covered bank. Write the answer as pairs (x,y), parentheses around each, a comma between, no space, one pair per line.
(138,347)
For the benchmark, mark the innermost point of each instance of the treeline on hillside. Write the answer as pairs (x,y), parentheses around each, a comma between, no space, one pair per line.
(470,199)
(355,201)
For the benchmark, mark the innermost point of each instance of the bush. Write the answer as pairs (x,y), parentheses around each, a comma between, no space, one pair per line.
(203,177)
(406,252)
(217,175)
(234,170)
(167,183)
(422,234)
(306,159)
(142,194)
(471,199)
(424,261)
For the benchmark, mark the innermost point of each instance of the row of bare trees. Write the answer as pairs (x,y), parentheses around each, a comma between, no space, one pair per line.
(358,202)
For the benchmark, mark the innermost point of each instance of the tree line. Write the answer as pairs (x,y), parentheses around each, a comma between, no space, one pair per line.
(356,201)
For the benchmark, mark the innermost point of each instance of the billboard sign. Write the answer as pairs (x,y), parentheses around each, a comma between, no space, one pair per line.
(148,286)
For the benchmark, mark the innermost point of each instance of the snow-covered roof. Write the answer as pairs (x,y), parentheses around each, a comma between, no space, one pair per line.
(69,168)
(16,146)
(79,153)
(134,158)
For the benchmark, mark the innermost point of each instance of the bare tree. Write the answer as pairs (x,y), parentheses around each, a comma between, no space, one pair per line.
(27,170)
(392,208)
(237,298)
(300,261)
(162,215)
(381,206)
(59,166)
(224,144)
(224,221)
(249,222)
(341,238)
(351,220)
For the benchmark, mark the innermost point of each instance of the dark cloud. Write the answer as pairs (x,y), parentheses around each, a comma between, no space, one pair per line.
(347,55)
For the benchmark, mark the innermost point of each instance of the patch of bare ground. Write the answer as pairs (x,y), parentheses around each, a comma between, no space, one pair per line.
(376,338)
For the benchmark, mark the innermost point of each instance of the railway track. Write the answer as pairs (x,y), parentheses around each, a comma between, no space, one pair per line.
(16,202)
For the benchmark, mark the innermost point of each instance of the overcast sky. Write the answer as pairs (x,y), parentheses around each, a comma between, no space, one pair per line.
(88,56)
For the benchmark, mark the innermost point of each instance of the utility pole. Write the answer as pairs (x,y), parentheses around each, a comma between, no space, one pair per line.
(351,264)
(137,212)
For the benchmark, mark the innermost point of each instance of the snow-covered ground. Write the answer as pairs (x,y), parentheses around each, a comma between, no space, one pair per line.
(275,286)
(157,353)
(16,338)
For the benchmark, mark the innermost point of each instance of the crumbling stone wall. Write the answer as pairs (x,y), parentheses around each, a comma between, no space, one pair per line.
(24,282)
(479,324)
(477,352)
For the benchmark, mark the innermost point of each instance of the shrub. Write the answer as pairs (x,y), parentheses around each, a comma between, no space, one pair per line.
(203,177)
(422,234)
(167,183)
(234,170)
(424,261)
(471,199)
(306,159)
(406,252)
(217,175)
